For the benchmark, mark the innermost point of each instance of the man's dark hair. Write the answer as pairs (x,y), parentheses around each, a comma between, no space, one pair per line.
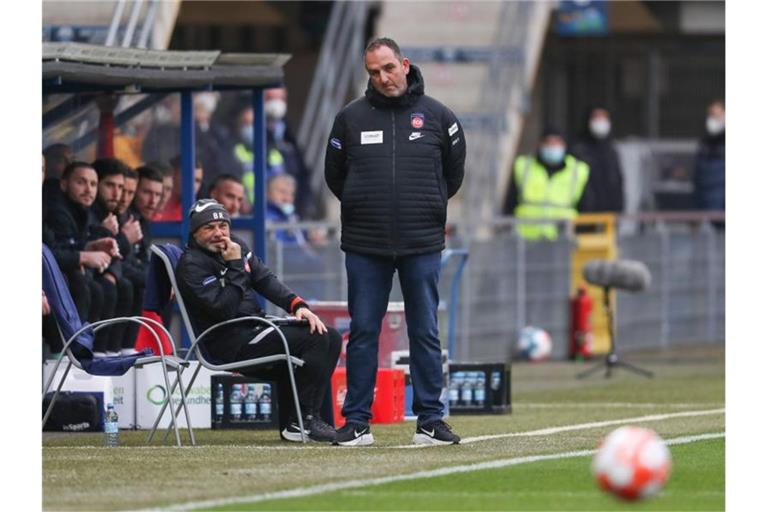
(227,177)
(131,174)
(72,167)
(384,41)
(176,162)
(221,178)
(109,167)
(161,166)
(147,172)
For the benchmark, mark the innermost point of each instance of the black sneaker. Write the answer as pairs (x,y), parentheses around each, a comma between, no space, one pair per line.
(314,428)
(293,433)
(354,434)
(435,432)
(319,430)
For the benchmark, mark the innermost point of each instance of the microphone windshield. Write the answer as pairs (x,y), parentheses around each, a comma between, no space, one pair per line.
(629,275)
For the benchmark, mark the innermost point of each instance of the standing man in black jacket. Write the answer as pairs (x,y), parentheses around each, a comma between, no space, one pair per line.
(394,157)
(219,279)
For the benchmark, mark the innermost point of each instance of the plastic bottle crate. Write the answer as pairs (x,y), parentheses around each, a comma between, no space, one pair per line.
(227,420)
(388,398)
(495,391)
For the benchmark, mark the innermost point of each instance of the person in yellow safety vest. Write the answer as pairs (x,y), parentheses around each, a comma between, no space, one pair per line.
(548,185)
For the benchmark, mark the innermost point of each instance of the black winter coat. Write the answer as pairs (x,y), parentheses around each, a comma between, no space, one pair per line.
(709,174)
(215,290)
(605,188)
(393,163)
(68,226)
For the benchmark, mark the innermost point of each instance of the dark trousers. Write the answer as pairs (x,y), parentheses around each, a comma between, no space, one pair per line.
(369,281)
(320,354)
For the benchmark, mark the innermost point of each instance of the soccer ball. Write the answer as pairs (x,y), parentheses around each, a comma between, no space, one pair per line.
(632,463)
(534,344)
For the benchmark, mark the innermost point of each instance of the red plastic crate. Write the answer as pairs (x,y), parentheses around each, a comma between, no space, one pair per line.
(388,396)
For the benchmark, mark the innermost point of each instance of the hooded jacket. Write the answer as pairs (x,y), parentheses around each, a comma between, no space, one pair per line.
(709,173)
(393,163)
(605,189)
(215,290)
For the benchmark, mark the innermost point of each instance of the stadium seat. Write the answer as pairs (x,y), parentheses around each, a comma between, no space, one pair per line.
(78,342)
(167,255)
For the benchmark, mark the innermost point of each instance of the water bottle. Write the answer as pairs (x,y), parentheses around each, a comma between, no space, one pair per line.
(480,389)
(265,403)
(250,403)
(235,403)
(219,401)
(457,379)
(496,380)
(466,389)
(111,432)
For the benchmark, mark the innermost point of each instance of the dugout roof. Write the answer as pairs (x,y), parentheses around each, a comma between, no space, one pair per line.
(78,67)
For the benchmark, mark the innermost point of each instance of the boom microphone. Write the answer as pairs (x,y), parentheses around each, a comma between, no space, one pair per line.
(629,275)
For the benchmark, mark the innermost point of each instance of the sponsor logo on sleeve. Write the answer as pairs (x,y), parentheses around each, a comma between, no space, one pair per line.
(336,143)
(453,129)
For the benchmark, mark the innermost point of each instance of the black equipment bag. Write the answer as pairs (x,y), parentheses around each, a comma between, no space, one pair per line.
(74,412)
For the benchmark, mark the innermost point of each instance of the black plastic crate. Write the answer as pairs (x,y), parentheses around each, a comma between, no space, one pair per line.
(479,388)
(253,407)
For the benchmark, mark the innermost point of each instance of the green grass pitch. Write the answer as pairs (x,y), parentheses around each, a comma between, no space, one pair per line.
(552,413)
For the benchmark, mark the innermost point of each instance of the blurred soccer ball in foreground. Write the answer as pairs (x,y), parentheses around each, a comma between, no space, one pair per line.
(632,463)
(534,344)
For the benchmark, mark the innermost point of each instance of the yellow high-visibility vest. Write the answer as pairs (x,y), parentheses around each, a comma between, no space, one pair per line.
(245,156)
(540,196)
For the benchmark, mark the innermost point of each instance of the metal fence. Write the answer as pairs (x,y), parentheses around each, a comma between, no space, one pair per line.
(509,283)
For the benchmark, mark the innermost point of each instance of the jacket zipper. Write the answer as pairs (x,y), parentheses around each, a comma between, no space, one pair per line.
(394,192)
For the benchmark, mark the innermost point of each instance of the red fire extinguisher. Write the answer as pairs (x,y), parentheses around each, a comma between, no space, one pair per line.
(581,325)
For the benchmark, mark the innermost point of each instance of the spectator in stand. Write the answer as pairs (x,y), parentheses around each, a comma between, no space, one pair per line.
(281,193)
(172,208)
(229,191)
(283,154)
(709,169)
(162,139)
(551,184)
(86,262)
(597,149)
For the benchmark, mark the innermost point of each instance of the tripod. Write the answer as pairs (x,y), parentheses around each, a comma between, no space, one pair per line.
(612,359)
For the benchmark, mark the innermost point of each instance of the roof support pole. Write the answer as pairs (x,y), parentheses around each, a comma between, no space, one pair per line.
(260,175)
(117,17)
(187,162)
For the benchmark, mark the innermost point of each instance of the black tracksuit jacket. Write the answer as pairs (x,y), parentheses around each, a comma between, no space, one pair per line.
(215,290)
(393,163)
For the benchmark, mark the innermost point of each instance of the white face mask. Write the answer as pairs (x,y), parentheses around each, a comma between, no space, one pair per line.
(275,109)
(600,127)
(715,125)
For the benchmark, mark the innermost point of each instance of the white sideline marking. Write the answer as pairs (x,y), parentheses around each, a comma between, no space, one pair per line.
(617,405)
(567,428)
(352,484)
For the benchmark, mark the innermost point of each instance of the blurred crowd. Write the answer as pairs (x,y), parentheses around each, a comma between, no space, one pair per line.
(564,178)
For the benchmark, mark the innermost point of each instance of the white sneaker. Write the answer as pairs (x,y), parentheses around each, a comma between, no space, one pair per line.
(99,355)
(128,352)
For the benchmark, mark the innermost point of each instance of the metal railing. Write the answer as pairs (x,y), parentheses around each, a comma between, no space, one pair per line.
(509,283)
(338,68)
